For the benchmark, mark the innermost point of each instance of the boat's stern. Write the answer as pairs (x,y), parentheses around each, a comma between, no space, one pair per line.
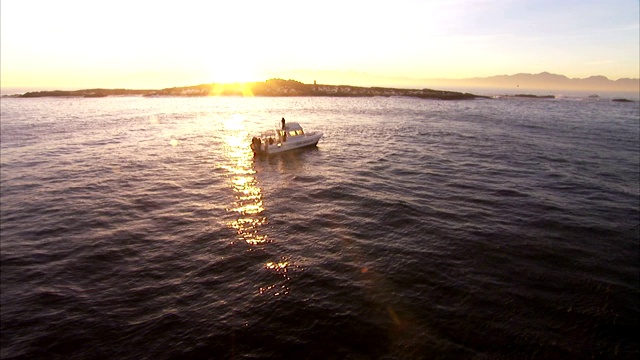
(258,147)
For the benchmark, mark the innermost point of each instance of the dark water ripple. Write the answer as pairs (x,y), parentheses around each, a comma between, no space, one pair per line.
(136,228)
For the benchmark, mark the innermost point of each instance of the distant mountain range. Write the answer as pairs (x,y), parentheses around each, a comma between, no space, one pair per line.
(543,81)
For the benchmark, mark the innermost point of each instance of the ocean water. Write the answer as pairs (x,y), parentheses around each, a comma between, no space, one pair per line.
(143,228)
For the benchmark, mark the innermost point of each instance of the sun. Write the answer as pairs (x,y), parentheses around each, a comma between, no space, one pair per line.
(234,71)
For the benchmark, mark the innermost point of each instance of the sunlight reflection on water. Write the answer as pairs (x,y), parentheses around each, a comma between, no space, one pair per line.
(279,269)
(248,195)
(248,203)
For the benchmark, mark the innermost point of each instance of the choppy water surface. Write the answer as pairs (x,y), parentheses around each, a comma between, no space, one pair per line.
(142,228)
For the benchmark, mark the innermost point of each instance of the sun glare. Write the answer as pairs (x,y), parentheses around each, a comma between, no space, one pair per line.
(230,76)
(234,71)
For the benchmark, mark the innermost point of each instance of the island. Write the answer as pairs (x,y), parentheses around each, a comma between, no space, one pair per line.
(621,100)
(272,87)
(531,96)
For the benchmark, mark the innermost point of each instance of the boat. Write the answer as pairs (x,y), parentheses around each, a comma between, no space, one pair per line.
(289,136)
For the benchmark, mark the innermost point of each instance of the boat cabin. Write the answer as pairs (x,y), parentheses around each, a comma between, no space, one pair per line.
(291,129)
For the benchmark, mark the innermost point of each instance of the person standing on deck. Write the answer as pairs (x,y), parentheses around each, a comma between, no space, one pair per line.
(284,133)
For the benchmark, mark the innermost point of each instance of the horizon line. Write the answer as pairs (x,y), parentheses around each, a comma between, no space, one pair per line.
(405,80)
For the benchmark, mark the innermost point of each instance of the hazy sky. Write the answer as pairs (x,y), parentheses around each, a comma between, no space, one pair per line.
(157,44)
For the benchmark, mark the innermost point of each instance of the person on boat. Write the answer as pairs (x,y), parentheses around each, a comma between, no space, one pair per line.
(284,133)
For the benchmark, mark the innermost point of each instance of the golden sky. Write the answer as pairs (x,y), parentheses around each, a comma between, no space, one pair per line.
(71,44)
